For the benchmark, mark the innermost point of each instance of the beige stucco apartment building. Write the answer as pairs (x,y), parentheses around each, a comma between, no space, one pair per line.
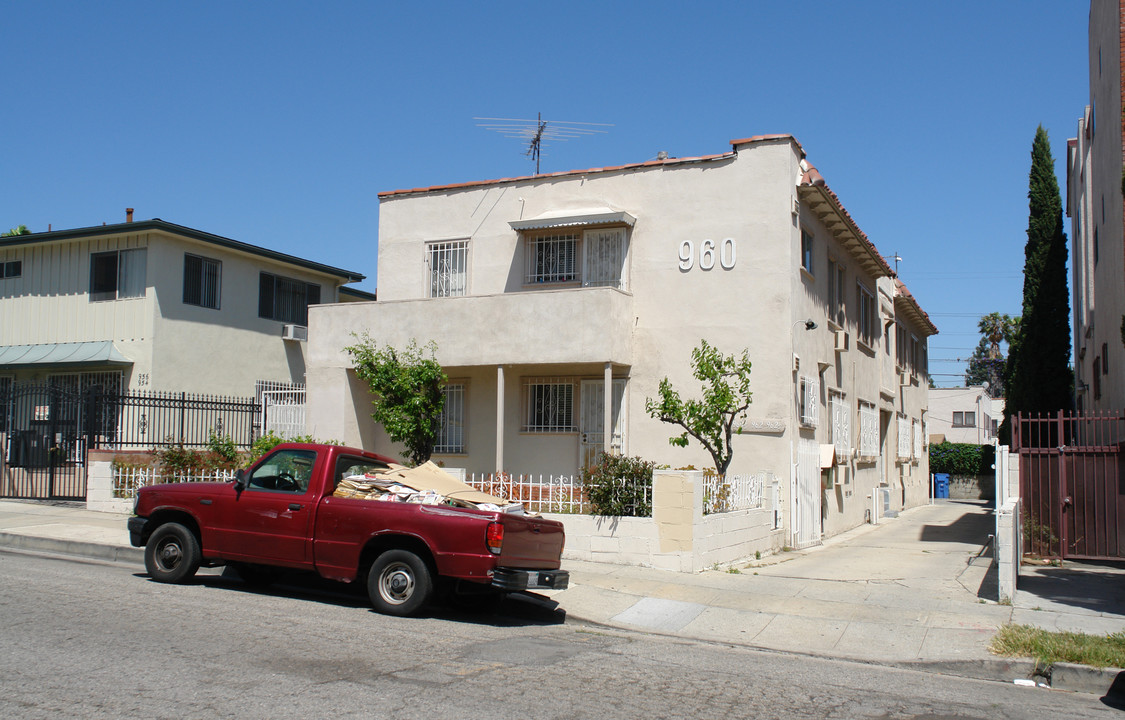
(151,305)
(559,302)
(1095,164)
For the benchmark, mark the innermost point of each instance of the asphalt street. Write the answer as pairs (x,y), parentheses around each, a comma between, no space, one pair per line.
(97,639)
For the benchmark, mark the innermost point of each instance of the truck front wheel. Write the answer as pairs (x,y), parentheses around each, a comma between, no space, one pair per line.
(172,554)
(400,583)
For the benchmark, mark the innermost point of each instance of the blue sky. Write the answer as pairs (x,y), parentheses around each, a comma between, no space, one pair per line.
(277,123)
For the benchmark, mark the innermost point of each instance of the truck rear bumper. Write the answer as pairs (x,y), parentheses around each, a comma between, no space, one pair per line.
(514,580)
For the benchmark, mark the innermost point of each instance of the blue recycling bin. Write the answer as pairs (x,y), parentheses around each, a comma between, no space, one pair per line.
(941,485)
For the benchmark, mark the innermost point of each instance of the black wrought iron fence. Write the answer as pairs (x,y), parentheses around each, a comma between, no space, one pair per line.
(144,420)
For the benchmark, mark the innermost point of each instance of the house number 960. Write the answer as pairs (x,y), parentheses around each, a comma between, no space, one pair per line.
(707,253)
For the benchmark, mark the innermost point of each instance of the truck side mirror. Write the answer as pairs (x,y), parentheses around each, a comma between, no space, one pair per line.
(240,480)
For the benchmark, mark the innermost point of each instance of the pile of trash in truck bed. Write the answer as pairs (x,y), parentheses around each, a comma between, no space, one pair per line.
(426,484)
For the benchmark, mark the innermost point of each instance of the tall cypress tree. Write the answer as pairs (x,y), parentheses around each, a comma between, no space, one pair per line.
(1040,378)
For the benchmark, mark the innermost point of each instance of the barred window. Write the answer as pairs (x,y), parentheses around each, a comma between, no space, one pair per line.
(868,430)
(449,262)
(605,258)
(549,406)
(841,426)
(285,299)
(451,424)
(809,400)
(202,281)
(552,258)
(904,438)
(917,428)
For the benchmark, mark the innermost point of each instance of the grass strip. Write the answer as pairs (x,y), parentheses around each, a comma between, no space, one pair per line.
(1099,651)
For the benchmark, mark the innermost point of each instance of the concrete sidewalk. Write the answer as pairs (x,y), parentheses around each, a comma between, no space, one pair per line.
(910,592)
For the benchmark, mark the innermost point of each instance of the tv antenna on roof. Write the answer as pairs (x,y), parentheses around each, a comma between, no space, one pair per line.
(539,133)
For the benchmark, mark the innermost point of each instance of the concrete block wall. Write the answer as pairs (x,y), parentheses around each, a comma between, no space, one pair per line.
(99,484)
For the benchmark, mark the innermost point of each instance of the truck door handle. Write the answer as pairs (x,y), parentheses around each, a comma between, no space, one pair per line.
(294,506)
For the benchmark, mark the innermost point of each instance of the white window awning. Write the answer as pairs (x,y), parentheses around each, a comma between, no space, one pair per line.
(87,353)
(827,456)
(574,218)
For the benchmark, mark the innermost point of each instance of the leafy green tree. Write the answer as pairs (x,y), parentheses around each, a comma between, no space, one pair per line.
(715,418)
(1040,378)
(407,386)
(18,230)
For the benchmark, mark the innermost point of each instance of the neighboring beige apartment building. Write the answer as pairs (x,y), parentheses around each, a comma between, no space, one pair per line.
(150,305)
(962,415)
(1095,165)
(559,302)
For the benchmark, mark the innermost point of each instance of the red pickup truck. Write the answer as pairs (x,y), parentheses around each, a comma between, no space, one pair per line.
(348,515)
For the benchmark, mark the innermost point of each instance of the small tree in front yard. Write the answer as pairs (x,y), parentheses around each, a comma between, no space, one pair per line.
(718,416)
(407,386)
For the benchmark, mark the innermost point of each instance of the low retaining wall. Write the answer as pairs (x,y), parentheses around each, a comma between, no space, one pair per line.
(678,536)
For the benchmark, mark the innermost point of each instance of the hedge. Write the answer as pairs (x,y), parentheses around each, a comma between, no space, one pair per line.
(962,458)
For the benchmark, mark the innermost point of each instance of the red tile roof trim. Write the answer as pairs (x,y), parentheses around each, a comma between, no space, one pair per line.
(565,173)
(813,178)
(902,291)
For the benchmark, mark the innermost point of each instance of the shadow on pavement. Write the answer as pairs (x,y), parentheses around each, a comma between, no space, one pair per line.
(1099,587)
(514,610)
(973,527)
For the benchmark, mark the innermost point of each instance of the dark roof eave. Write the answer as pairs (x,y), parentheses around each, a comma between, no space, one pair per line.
(156,224)
(875,264)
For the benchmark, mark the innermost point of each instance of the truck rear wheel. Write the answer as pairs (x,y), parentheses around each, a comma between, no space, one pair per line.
(399,583)
(172,554)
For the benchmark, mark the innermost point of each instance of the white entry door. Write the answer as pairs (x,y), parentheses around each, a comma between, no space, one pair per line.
(592,426)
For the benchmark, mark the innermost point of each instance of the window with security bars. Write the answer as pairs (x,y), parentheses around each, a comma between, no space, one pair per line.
(605,258)
(552,258)
(868,430)
(285,299)
(106,382)
(903,437)
(841,426)
(809,392)
(202,281)
(449,263)
(451,424)
(549,406)
(917,427)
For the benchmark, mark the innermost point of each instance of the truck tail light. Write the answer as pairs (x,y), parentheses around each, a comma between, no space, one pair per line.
(494,537)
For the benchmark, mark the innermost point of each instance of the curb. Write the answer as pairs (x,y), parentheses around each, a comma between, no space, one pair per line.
(79,548)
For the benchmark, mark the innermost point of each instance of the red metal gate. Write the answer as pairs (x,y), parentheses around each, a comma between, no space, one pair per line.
(1071,484)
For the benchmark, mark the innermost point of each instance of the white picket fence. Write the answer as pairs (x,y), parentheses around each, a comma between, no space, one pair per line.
(127,480)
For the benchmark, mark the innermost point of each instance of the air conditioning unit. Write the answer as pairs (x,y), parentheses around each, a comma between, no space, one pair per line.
(842,340)
(294,332)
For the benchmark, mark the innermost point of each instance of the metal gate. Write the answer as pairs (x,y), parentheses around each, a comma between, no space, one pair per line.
(1071,484)
(43,443)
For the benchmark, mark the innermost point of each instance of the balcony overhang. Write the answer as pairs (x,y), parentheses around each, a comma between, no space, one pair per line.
(574,218)
(551,327)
